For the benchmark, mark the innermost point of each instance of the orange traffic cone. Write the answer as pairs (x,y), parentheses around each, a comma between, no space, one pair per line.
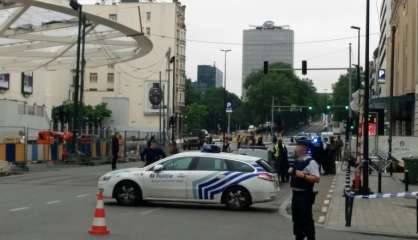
(99,221)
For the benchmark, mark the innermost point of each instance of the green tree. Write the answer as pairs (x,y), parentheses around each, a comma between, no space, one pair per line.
(193,95)
(196,116)
(286,88)
(340,95)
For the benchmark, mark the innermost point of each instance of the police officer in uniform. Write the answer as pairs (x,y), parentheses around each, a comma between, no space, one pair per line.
(304,175)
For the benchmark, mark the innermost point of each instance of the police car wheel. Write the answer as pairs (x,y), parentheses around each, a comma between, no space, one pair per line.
(237,198)
(128,193)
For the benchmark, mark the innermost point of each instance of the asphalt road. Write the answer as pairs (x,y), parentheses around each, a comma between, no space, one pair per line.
(58,204)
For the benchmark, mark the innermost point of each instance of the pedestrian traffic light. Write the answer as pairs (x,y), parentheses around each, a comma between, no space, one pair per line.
(304,67)
(266,67)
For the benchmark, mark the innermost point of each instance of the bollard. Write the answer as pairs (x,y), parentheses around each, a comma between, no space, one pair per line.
(406,180)
(346,209)
(349,210)
(379,182)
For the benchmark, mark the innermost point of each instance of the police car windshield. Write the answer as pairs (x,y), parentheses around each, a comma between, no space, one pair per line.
(265,166)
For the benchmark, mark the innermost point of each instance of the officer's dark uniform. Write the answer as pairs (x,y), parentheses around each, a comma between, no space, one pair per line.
(302,201)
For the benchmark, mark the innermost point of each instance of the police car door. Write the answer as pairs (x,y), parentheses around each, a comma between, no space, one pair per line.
(170,182)
(205,173)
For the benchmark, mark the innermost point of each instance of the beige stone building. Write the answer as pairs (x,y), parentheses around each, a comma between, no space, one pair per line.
(164,24)
(405,19)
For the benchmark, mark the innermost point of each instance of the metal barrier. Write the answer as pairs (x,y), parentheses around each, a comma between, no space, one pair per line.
(350,197)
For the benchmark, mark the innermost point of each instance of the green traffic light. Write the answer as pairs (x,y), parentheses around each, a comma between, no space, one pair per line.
(310,108)
(328,107)
(347,108)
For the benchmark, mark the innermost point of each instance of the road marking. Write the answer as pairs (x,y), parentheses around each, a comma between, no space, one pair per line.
(326,202)
(19,209)
(329,196)
(321,219)
(332,186)
(331,190)
(82,195)
(52,202)
(149,211)
(324,209)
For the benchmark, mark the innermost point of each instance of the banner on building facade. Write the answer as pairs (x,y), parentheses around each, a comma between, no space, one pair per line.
(27,83)
(155,97)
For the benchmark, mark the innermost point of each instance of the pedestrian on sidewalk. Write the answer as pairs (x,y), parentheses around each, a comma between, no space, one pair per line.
(152,153)
(304,175)
(332,156)
(276,155)
(115,150)
(283,162)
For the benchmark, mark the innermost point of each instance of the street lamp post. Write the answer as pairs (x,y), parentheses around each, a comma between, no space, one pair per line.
(366,105)
(226,51)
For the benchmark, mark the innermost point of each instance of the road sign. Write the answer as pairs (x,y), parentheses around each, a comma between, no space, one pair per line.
(382,75)
(229,107)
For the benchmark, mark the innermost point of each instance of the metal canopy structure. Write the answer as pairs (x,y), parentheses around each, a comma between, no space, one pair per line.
(38,34)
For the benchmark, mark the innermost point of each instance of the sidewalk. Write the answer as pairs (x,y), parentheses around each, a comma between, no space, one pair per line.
(393,216)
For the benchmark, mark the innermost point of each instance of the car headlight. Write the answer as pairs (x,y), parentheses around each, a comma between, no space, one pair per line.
(105,178)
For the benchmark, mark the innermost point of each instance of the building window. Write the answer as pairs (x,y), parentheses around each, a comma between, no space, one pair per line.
(148,16)
(113,17)
(110,89)
(148,31)
(94,77)
(110,78)
(93,90)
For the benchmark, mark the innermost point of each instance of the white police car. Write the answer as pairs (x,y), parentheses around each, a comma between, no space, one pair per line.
(199,177)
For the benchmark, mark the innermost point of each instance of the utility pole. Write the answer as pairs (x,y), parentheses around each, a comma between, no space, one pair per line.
(226,51)
(168,56)
(350,112)
(366,105)
(78,7)
(390,110)
(160,115)
(83,66)
(173,132)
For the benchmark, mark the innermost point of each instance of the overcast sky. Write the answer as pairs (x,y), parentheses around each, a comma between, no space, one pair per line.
(224,21)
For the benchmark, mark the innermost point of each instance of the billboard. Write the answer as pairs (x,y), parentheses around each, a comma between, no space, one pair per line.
(4,81)
(27,83)
(154,97)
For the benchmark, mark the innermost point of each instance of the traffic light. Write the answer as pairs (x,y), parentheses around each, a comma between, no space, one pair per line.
(74,4)
(304,67)
(328,107)
(266,67)
(347,108)
(310,108)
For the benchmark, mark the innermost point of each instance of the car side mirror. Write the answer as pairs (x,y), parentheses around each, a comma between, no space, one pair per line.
(158,168)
